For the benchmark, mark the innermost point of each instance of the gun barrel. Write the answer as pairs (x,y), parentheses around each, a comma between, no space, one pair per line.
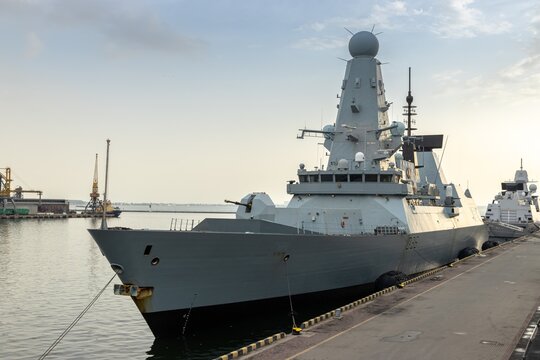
(235,203)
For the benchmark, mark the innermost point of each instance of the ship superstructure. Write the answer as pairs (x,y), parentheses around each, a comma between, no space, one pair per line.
(381,204)
(515,210)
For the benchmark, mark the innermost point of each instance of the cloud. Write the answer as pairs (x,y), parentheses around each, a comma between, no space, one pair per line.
(320,43)
(34,45)
(526,72)
(316,26)
(517,83)
(444,18)
(535,30)
(124,26)
(447,79)
(458,19)
(524,67)
(382,16)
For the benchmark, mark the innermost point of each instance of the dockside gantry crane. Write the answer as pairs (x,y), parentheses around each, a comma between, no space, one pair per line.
(5,186)
(5,189)
(5,183)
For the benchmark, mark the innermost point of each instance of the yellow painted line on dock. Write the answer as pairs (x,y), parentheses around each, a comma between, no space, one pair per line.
(251,347)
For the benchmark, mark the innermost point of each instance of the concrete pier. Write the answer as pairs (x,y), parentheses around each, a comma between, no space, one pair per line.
(52,216)
(485,307)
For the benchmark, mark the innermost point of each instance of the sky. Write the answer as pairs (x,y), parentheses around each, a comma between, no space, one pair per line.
(202,100)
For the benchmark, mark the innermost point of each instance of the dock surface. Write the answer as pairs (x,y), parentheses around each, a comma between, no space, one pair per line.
(478,309)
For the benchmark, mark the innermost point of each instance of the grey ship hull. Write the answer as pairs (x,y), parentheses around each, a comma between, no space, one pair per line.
(213,272)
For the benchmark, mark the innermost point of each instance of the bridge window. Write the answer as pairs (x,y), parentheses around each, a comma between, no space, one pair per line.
(371,177)
(314,178)
(356,177)
(303,178)
(341,178)
(512,186)
(327,178)
(386,178)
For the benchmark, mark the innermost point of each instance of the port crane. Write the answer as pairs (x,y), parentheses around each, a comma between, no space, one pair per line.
(95,203)
(5,183)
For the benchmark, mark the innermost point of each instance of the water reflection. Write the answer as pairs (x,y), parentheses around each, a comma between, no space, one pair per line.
(216,342)
(51,269)
(249,327)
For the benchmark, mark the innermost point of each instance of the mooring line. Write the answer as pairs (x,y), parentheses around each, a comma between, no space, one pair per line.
(189,313)
(285,259)
(57,341)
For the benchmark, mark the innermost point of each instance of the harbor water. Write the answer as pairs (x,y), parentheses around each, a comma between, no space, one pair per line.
(51,269)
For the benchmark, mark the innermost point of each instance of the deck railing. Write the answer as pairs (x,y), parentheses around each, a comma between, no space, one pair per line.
(183,224)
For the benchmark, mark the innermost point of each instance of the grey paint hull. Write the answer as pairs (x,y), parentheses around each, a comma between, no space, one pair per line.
(209,268)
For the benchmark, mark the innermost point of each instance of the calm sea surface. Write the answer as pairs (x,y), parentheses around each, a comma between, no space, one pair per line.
(51,269)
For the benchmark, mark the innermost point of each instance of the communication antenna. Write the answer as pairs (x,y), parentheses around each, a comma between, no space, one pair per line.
(409,111)
(349,31)
(409,108)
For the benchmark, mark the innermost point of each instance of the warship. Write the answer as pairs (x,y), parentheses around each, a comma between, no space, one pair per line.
(381,207)
(514,211)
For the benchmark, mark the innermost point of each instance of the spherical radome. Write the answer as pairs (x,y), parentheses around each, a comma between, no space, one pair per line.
(342,164)
(363,43)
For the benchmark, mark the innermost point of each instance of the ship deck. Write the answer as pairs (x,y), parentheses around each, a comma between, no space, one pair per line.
(485,307)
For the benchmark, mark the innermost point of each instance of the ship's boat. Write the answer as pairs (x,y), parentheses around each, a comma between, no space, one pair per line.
(514,211)
(381,206)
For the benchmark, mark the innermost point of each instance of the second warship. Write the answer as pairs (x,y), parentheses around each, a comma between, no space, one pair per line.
(381,206)
(514,211)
